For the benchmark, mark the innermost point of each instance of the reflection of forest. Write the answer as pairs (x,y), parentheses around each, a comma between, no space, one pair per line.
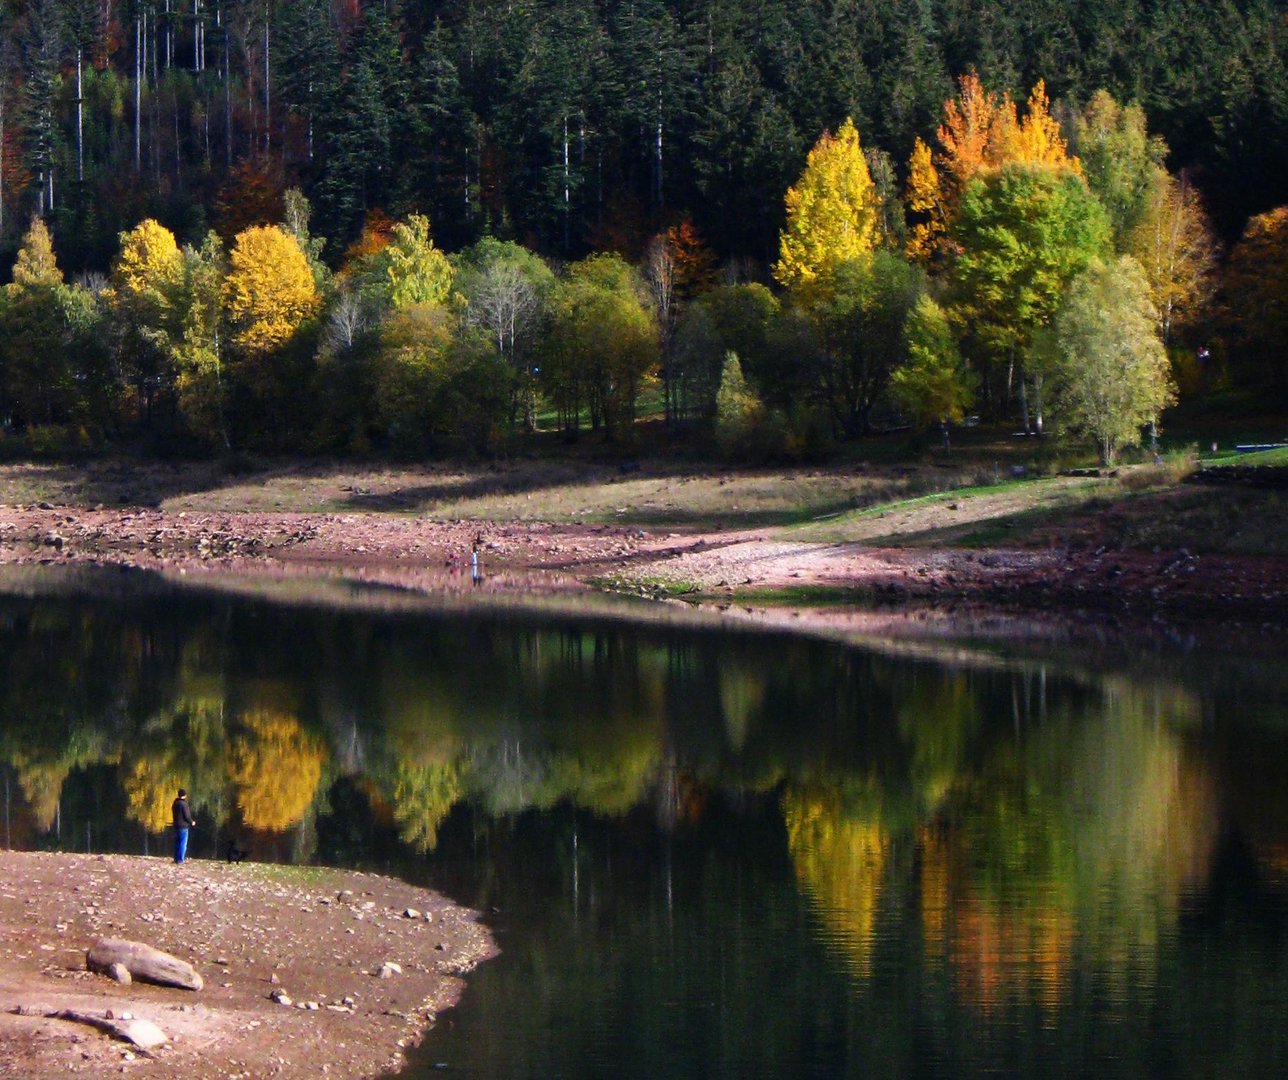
(1072,838)
(1032,825)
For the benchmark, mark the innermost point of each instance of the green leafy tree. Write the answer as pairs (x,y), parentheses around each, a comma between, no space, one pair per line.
(507,289)
(934,385)
(1108,371)
(738,410)
(200,351)
(724,319)
(1120,160)
(601,346)
(861,330)
(1022,233)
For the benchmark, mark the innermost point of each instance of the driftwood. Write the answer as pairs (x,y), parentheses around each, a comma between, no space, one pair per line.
(143,962)
(142,1033)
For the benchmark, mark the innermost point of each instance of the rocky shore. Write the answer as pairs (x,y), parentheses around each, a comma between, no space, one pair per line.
(307,972)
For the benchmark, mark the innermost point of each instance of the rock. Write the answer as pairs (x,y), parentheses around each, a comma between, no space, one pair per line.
(388,970)
(142,1033)
(280,996)
(120,973)
(143,962)
(411,913)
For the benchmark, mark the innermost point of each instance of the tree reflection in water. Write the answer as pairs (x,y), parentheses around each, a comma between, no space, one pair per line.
(1032,833)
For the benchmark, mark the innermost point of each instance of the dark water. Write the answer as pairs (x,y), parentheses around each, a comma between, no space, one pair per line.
(706,854)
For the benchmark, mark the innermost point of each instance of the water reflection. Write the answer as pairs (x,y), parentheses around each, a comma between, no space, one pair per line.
(1030,843)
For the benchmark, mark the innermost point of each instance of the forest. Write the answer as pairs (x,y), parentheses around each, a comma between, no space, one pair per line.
(430,227)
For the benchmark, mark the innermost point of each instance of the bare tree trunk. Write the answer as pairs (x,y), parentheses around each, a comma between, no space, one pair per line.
(268,112)
(80,119)
(566,193)
(657,157)
(138,90)
(228,103)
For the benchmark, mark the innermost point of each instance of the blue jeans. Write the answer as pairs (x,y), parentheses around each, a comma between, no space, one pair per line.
(180,845)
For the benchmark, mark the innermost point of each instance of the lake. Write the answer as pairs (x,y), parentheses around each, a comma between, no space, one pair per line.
(706,851)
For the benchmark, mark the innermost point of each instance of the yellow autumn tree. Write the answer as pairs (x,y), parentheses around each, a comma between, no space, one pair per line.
(981,132)
(1038,138)
(831,211)
(1174,243)
(141,302)
(148,261)
(925,200)
(270,288)
(36,265)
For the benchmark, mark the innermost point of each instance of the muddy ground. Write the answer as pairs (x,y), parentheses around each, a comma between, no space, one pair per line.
(318,936)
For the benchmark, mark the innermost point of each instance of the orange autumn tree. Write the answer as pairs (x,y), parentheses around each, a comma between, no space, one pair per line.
(981,132)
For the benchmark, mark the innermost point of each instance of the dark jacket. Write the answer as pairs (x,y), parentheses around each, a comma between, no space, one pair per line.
(182,814)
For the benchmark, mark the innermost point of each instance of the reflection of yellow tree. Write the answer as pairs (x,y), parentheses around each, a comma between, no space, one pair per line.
(423,796)
(275,765)
(840,861)
(41,777)
(42,781)
(183,747)
(150,784)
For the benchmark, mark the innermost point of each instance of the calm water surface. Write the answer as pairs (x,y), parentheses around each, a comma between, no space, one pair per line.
(705,854)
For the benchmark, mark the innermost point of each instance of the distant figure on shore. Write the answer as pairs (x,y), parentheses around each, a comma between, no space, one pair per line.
(183,821)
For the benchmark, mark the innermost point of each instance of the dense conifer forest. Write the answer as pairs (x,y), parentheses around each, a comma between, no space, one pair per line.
(575,125)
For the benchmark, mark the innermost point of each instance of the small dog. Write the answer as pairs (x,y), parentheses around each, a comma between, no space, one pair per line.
(236,854)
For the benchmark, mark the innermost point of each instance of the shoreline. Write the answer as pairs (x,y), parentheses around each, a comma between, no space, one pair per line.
(318,935)
(817,585)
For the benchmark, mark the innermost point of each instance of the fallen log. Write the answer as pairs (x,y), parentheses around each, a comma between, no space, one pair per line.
(141,1033)
(143,962)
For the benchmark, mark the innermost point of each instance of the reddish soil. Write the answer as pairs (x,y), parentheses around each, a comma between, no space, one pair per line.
(319,936)
(747,566)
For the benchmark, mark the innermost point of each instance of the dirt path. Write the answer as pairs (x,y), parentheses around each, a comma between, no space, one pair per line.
(319,936)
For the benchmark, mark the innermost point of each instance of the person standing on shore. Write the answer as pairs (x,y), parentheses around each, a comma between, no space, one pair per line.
(183,821)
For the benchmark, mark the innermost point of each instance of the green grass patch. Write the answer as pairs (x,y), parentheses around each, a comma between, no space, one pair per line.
(1276,457)
(803,596)
(291,875)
